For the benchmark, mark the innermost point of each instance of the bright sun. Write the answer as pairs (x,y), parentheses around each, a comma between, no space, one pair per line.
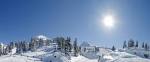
(108,21)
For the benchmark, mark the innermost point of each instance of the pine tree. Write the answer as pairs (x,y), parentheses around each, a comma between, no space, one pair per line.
(131,43)
(113,48)
(18,47)
(12,45)
(146,46)
(33,45)
(75,47)
(61,43)
(65,47)
(30,45)
(68,44)
(58,42)
(48,42)
(7,49)
(40,43)
(4,51)
(124,44)
(136,44)
(143,45)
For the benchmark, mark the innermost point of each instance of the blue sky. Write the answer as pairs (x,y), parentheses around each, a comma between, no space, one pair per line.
(22,19)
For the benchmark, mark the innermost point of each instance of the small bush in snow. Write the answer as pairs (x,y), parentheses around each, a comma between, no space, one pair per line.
(146,55)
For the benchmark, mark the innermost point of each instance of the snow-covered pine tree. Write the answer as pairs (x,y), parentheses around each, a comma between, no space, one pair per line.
(27,46)
(30,45)
(18,47)
(12,45)
(146,46)
(136,44)
(65,47)
(113,48)
(23,46)
(124,44)
(58,42)
(7,49)
(40,43)
(68,44)
(131,43)
(4,51)
(61,43)
(75,48)
(33,45)
(143,45)
(48,42)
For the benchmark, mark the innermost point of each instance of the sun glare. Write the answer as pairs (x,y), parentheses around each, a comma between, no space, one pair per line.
(108,21)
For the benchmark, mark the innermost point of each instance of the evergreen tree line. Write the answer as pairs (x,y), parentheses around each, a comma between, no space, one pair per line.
(132,43)
(64,45)
(22,46)
(67,46)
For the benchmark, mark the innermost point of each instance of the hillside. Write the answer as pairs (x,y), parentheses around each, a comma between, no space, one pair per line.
(47,54)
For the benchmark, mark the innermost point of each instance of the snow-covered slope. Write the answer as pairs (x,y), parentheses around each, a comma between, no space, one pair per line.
(48,54)
(138,51)
(110,56)
(17,58)
(82,59)
(126,57)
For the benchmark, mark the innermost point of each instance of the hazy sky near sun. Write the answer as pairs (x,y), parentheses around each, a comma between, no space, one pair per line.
(22,19)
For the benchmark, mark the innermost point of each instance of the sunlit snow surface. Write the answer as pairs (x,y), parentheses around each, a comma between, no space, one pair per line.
(47,54)
(82,59)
